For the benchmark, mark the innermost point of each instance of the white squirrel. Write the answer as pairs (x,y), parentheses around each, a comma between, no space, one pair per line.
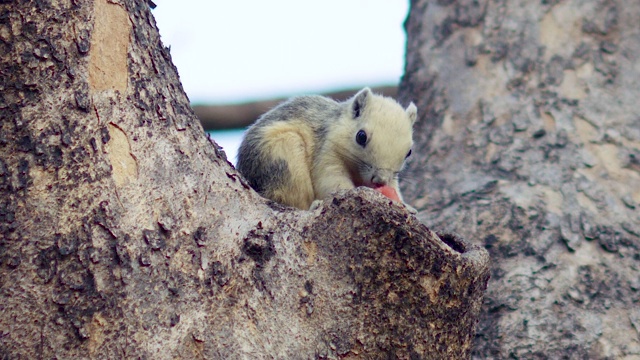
(311,146)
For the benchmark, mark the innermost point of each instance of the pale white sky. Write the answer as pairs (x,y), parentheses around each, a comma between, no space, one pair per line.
(233,51)
(228,51)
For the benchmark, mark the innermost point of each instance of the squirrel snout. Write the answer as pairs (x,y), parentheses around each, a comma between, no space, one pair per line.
(381,177)
(377,182)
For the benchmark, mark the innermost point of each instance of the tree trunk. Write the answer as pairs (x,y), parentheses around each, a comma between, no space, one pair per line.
(125,233)
(532,141)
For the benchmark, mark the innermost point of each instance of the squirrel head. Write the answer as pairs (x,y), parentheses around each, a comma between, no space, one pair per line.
(380,137)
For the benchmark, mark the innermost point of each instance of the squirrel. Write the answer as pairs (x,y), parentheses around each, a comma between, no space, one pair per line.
(308,147)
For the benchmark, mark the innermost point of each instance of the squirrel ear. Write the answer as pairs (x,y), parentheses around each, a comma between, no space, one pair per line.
(412,112)
(359,102)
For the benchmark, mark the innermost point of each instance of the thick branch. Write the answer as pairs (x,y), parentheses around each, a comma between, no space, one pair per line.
(218,117)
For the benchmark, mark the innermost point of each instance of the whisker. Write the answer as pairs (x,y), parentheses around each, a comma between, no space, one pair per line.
(359,163)
(411,175)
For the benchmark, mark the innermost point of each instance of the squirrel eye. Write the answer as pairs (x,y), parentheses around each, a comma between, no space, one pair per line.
(361,138)
(408,154)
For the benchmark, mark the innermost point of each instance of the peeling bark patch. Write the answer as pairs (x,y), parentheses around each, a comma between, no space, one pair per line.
(97,338)
(47,263)
(67,244)
(259,247)
(82,100)
(24,179)
(82,42)
(200,236)
(154,239)
(125,167)
(109,45)
(558,28)
(144,260)
(311,249)
(121,255)
(432,286)
(220,273)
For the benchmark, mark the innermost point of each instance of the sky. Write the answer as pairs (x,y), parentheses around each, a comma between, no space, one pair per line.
(229,51)
(235,51)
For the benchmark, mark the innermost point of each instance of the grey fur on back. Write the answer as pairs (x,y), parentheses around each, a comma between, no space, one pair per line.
(265,174)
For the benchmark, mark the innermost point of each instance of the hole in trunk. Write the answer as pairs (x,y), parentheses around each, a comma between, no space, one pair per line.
(453,241)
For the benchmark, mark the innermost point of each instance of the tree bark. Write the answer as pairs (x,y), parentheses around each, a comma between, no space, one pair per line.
(125,233)
(532,141)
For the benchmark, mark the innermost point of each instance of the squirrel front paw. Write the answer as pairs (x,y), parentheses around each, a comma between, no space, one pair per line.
(315,204)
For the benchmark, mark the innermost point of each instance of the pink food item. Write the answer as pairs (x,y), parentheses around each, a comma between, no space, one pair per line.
(389,192)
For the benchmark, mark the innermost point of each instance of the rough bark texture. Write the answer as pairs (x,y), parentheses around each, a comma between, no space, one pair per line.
(124,233)
(532,135)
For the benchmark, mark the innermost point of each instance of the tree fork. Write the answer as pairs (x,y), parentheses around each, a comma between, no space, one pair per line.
(126,233)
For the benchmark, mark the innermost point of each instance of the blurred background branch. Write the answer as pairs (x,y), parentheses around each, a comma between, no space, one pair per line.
(234,116)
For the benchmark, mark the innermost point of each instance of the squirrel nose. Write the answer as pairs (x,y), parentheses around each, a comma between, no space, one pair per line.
(377,180)
(382,177)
